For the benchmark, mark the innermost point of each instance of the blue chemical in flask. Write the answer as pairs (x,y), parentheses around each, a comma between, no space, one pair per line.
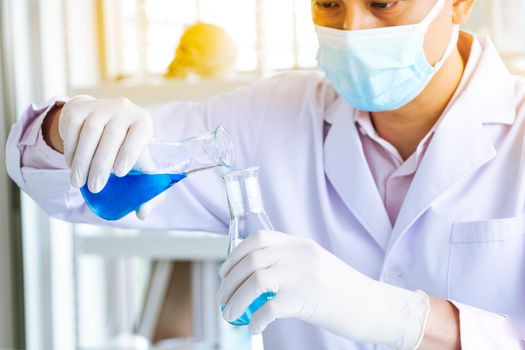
(162,164)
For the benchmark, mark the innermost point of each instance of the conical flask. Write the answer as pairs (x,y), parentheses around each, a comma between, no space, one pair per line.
(247,216)
(163,163)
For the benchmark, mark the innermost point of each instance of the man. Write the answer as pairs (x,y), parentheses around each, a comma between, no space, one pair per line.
(397,175)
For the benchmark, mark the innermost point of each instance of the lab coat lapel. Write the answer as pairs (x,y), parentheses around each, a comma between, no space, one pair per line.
(456,150)
(460,144)
(347,170)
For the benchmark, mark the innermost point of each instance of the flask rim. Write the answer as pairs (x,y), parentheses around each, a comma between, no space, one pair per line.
(240,172)
(224,143)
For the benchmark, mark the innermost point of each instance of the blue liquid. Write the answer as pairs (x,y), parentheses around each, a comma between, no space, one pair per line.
(246,317)
(122,195)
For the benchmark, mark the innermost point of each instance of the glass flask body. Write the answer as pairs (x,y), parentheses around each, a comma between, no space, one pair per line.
(247,216)
(162,164)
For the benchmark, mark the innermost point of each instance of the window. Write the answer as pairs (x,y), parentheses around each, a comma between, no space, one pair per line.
(141,35)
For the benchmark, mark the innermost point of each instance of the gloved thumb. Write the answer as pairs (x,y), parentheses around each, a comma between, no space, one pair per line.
(146,208)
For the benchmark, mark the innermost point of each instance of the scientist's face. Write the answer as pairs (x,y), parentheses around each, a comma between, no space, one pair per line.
(368,14)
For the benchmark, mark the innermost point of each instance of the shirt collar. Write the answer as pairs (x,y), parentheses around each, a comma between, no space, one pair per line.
(366,128)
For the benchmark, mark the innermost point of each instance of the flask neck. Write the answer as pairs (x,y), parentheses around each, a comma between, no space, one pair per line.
(244,193)
(205,151)
(247,214)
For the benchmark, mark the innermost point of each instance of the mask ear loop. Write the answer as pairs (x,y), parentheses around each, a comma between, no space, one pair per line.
(451,45)
(432,15)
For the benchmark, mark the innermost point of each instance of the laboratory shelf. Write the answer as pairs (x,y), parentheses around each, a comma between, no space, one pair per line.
(204,249)
(157,244)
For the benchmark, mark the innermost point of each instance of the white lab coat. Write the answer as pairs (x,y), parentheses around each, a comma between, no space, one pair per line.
(460,234)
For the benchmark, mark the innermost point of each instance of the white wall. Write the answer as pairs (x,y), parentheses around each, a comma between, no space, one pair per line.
(6,277)
(36,42)
(9,322)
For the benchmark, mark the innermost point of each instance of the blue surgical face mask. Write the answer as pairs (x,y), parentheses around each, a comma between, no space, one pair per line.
(380,69)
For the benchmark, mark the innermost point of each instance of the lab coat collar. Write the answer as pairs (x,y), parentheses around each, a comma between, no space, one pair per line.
(461,144)
(347,170)
(459,147)
(487,90)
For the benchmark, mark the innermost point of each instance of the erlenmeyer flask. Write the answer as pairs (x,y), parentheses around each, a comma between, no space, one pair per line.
(162,164)
(247,216)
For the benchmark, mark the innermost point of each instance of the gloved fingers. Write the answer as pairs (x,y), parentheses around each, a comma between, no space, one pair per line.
(146,208)
(252,262)
(259,282)
(70,122)
(88,140)
(81,125)
(278,307)
(138,136)
(108,147)
(258,240)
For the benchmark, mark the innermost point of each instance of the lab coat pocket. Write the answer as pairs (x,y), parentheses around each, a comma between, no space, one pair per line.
(487,264)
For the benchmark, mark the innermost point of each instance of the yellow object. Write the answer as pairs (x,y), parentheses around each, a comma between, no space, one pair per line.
(204,49)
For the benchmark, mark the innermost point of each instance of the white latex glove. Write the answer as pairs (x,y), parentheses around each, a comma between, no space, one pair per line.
(104,136)
(315,286)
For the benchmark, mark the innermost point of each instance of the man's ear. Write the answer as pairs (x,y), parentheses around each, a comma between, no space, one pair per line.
(462,10)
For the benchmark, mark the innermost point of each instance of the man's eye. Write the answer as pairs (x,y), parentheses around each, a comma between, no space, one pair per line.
(382,5)
(327,5)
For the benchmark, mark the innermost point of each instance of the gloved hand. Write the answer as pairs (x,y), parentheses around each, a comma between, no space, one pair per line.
(104,136)
(315,286)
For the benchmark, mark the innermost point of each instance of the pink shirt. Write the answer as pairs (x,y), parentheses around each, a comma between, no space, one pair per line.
(36,153)
(391,173)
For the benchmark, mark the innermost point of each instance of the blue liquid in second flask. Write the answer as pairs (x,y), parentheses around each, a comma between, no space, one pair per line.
(122,195)
(246,317)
